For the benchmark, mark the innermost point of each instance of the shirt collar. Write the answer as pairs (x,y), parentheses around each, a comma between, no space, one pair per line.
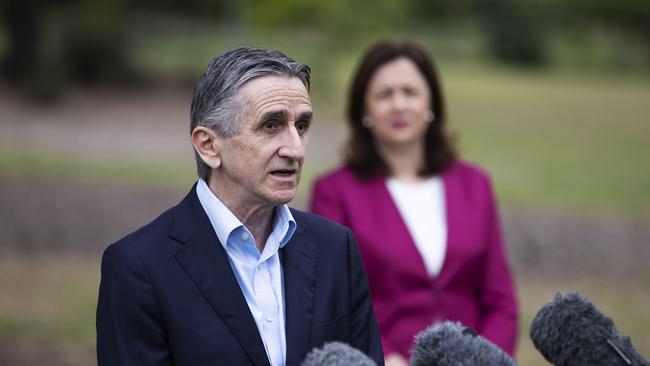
(225,222)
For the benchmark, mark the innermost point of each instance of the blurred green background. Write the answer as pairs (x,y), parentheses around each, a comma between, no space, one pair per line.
(552,98)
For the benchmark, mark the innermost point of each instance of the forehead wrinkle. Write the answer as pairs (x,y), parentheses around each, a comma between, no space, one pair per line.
(279,103)
(273,93)
(268,96)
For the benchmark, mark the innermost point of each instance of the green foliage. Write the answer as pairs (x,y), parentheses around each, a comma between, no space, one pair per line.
(441,10)
(77,40)
(97,40)
(348,19)
(94,43)
(633,15)
(287,13)
(513,33)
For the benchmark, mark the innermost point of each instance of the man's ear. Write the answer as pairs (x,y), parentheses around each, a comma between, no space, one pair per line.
(207,144)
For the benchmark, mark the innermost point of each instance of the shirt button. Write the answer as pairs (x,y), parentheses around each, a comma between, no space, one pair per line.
(245,236)
(268,317)
(259,266)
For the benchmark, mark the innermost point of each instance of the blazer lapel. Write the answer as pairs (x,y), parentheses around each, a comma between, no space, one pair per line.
(206,262)
(396,227)
(299,266)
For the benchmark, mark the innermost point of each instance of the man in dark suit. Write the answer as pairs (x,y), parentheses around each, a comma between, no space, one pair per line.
(231,275)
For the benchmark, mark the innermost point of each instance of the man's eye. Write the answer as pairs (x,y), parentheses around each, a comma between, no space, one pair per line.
(270,125)
(302,126)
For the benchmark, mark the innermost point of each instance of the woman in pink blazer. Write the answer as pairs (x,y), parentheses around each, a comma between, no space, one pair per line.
(426,223)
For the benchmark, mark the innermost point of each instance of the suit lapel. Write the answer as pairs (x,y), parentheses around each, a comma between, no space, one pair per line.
(206,262)
(299,267)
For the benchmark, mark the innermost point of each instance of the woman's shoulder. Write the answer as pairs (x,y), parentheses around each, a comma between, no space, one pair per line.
(468,175)
(465,169)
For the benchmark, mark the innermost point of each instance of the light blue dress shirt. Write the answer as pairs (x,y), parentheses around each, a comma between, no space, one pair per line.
(259,274)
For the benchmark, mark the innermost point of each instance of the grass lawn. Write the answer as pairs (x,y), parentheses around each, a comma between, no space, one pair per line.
(51,301)
(557,142)
(549,141)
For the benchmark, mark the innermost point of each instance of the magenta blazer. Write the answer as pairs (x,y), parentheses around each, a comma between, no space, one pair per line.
(475,284)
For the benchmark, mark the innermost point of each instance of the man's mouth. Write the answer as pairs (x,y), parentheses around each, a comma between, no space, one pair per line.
(283,172)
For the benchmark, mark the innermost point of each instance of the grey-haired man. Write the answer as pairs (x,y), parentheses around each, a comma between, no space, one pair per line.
(231,275)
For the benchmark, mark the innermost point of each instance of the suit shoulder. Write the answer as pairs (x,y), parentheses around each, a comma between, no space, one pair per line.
(147,235)
(317,223)
(331,240)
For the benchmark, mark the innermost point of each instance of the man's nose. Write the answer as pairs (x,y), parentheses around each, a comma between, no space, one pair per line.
(293,145)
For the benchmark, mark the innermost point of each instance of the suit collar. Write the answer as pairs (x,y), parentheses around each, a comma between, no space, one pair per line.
(225,222)
(205,261)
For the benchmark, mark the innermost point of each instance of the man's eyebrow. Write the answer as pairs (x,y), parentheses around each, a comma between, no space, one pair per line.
(305,116)
(283,115)
(270,115)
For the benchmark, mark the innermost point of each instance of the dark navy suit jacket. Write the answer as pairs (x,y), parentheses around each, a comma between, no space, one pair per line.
(168,295)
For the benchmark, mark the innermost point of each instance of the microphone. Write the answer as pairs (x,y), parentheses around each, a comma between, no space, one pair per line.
(451,344)
(337,354)
(570,331)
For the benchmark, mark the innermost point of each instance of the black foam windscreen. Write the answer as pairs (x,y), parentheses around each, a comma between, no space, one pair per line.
(571,331)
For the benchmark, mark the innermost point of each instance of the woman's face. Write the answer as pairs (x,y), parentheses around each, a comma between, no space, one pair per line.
(397,102)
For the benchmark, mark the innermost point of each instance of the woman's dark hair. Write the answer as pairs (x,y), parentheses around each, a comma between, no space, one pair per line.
(361,154)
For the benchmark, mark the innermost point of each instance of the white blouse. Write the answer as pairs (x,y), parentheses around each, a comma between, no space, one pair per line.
(422,207)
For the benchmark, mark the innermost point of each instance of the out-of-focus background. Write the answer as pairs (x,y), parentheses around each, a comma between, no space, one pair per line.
(551,97)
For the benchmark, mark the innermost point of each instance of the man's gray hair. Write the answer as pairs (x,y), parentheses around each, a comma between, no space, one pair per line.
(216,103)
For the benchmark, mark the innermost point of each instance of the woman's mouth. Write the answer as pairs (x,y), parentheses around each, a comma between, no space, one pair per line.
(399,123)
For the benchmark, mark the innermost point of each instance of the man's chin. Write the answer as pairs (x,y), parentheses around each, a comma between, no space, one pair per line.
(282,197)
(285,199)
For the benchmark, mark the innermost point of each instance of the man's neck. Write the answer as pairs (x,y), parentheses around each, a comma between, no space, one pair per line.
(258,218)
(260,224)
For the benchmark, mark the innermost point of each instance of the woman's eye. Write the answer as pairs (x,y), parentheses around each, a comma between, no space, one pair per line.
(383,94)
(411,91)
